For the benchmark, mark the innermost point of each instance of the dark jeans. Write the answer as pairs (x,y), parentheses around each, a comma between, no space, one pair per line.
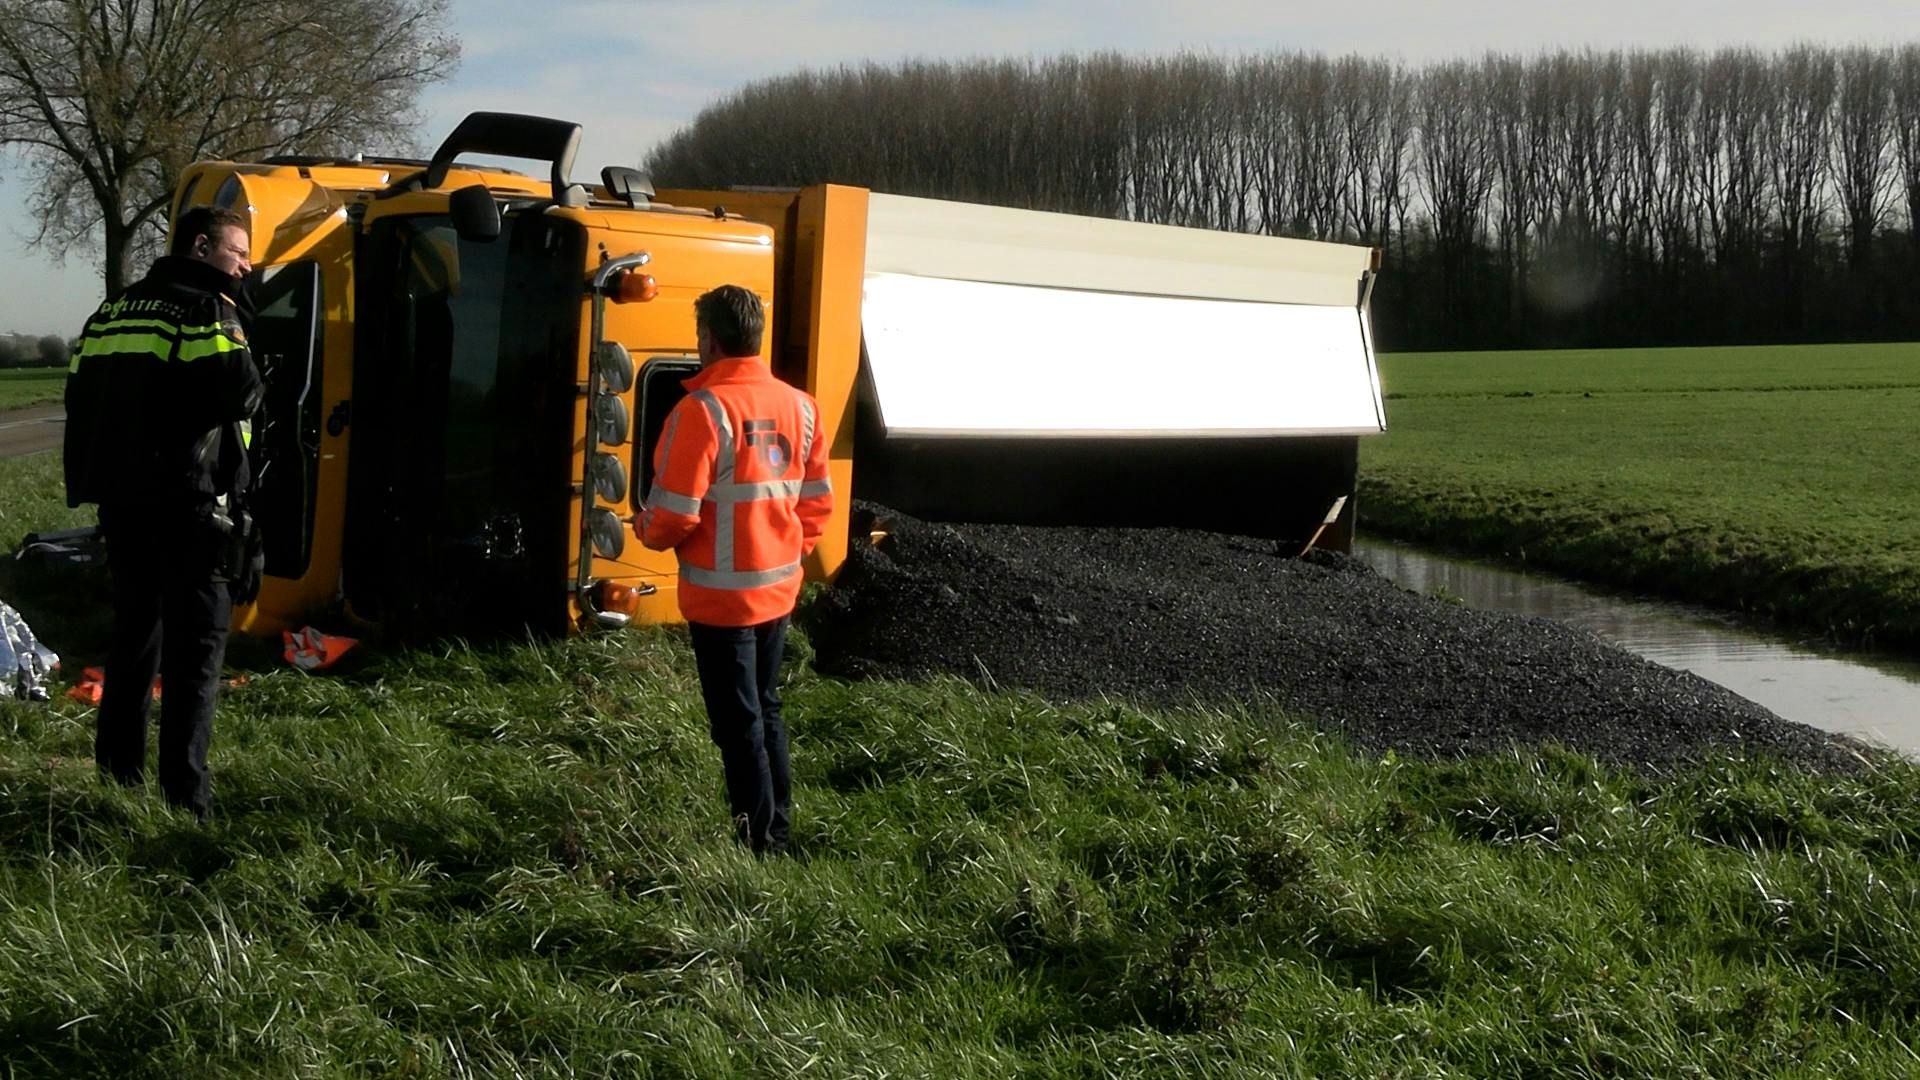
(171,613)
(739,679)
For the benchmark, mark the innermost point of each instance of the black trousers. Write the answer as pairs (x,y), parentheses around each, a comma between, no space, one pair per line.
(739,680)
(171,613)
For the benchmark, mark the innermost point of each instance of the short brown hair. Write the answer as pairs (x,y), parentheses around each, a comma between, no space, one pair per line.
(204,221)
(733,316)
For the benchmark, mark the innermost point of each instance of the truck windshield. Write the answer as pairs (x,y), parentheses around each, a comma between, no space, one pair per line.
(464,393)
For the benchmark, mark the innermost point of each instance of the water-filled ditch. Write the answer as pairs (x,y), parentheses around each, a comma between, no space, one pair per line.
(1872,697)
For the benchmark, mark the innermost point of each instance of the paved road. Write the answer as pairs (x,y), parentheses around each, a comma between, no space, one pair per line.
(30,431)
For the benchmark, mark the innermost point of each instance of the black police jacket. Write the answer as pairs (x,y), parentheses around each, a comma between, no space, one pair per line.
(159,381)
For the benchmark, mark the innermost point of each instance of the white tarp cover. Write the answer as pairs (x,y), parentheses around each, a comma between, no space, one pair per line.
(970,242)
(953,357)
(984,320)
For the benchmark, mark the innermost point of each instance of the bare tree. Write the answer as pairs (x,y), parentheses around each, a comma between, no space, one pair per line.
(1906,134)
(1737,103)
(1677,75)
(1266,130)
(1378,117)
(1221,187)
(1457,173)
(1643,172)
(1519,135)
(1581,96)
(1798,139)
(1323,167)
(1797,150)
(1863,145)
(109,99)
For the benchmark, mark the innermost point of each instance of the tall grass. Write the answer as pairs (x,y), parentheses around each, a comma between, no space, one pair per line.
(513,860)
(23,387)
(1766,479)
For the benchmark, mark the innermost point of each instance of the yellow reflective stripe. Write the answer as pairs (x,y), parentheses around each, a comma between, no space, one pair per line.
(122,325)
(209,330)
(109,344)
(219,343)
(246,434)
(120,336)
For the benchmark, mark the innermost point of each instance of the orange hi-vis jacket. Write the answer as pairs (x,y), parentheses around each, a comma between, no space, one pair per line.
(740,492)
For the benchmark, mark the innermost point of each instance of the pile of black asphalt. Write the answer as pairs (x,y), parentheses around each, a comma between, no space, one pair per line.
(1168,616)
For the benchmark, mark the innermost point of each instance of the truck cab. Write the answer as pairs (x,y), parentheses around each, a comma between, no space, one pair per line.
(465,369)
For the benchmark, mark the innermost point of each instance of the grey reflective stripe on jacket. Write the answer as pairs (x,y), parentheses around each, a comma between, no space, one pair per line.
(726,495)
(663,499)
(723,456)
(667,436)
(717,489)
(763,489)
(659,497)
(737,579)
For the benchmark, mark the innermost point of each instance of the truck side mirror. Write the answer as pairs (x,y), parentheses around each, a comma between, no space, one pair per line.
(476,217)
(630,185)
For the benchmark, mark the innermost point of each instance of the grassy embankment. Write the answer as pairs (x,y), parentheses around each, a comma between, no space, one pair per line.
(1777,480)
(509,860)
(21,387)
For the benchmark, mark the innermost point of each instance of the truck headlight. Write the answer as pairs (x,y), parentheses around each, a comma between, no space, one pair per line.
(609,478)
(608,534)
(611,417)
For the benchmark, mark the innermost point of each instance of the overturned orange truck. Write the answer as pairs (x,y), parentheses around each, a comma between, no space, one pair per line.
(467,367)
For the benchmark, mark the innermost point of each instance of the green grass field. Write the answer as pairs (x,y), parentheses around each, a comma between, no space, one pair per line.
(511,860)
(21,387)
(1777,480)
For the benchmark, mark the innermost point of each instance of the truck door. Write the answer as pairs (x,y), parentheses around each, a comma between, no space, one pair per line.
(301,246)
(286,436)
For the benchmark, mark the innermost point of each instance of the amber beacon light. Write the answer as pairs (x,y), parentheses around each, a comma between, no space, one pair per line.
(632,287)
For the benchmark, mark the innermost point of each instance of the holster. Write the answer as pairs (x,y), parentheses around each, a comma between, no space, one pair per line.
(246,560)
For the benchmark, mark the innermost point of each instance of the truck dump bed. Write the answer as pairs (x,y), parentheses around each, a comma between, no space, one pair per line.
(1029,367)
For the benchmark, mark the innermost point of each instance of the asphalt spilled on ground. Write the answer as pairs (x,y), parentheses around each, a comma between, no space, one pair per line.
(1169,616)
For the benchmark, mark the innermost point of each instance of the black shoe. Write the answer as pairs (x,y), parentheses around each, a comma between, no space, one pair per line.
(124,779)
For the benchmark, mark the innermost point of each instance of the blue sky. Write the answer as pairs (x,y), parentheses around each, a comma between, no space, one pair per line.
(633,71)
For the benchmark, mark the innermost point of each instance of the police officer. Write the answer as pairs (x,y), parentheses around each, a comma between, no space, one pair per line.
(158,393)
(740,494)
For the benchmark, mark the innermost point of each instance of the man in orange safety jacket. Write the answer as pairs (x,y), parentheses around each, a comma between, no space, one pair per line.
(740,494)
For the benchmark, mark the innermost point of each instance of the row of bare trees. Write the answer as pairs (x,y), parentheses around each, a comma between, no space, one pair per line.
(1562,198)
